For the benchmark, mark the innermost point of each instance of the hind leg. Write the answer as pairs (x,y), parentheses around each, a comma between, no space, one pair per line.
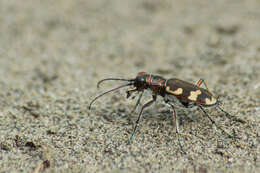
(234,118)
(202,81)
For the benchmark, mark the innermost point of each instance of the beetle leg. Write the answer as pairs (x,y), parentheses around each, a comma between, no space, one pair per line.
(175,117)
(138,101)
(222,110)
(227,114)
(144,106)
(234,118)
(213,122)
(177,126)
(202,81)
(129,92)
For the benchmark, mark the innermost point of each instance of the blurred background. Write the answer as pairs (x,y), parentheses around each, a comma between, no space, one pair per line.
(52,54)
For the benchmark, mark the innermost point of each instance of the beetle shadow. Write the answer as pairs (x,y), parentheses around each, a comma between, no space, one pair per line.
(155,113)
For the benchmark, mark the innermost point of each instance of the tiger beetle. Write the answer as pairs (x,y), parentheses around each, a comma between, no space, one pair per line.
(174,91)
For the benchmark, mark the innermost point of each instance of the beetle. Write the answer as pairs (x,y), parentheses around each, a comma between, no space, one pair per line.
(174,91)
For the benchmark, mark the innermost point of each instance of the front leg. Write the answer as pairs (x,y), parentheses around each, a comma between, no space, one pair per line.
(140,114)
(138,101)
(129,92)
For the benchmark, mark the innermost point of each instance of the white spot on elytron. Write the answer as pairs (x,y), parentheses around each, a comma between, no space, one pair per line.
(194,95)
(211,101)
(176,92)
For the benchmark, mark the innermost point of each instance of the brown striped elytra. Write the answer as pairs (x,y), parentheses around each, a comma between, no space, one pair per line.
(187,94)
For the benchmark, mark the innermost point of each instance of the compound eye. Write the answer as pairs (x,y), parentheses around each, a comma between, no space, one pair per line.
(140,79)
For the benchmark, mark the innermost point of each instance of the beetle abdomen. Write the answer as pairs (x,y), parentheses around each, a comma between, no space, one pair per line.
(190,92)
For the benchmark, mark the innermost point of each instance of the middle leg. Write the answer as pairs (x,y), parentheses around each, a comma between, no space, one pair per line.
(175,117)
(177,125)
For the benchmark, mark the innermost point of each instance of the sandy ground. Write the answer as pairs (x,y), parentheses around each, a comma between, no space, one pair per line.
(52,53)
